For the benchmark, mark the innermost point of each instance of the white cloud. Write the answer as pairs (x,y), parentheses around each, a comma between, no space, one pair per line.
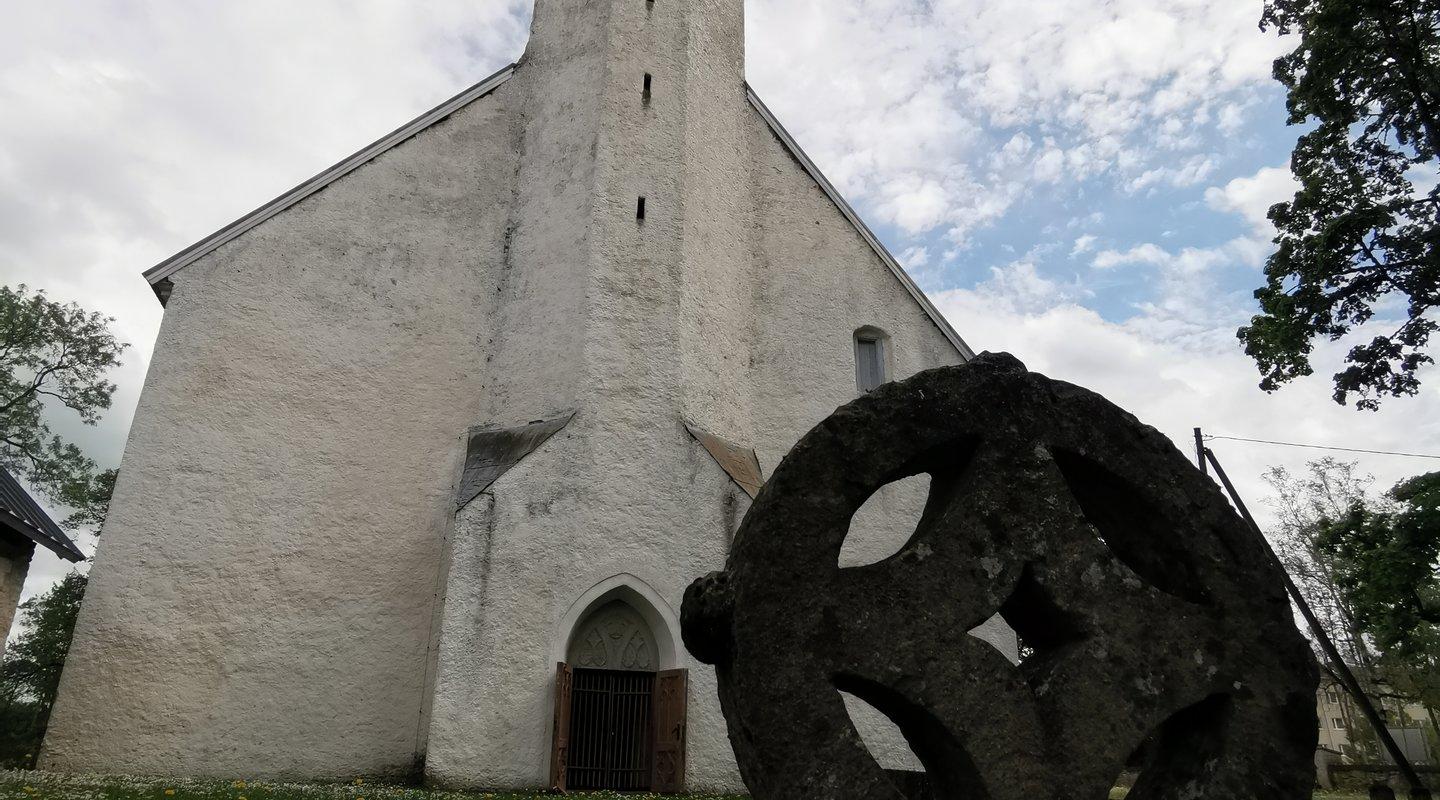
(1194,170)
(1253,197)
(1083,245)
(915,258)
(1020,288)
(920,109)
(1197,380)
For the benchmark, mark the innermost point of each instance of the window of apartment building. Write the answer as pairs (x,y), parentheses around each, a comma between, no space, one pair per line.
(1331,697)
(1337,723)
(871,359)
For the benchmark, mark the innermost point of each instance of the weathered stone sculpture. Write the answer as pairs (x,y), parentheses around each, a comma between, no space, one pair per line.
(1155,627)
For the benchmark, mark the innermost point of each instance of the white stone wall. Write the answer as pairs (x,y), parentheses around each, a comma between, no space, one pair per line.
(261,602)
(15,554)
(528,560)
(734,303)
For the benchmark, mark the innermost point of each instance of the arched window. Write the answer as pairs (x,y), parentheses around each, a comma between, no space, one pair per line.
(872,358)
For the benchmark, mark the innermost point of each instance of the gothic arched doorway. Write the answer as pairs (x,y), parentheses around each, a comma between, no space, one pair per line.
(619,721)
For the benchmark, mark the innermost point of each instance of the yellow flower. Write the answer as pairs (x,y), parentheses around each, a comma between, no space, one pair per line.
(359,781)
(169,792)
(239,784)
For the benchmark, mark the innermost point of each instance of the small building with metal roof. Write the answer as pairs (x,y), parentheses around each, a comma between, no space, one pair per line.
(23,525)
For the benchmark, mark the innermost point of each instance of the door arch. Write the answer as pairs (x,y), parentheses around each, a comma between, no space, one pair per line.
(619,718)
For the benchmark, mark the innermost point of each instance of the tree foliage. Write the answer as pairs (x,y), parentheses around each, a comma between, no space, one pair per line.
(1304,504)
(57,354)
(1357,235)
(30,675)
(1315,510)
(1386,563)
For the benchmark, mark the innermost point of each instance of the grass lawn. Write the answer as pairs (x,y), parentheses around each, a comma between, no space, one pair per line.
(49,786)
(1119,794)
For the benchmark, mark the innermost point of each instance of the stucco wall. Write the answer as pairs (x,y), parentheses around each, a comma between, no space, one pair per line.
(15,554)
(262,599)
(734,303)
(527,558)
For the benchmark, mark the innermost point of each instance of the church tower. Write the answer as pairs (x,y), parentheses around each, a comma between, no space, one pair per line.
(432,445)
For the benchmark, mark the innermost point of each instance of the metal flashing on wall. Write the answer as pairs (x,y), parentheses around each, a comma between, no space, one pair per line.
(740,463)
(860,226)
(493,451)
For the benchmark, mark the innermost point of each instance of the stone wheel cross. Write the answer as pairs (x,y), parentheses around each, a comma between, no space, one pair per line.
(1155,628)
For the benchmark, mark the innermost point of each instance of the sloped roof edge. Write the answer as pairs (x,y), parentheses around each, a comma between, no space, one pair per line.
(860,226)
(20,513)
(195,252)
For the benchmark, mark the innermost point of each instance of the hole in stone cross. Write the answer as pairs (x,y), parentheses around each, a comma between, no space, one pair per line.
(997,633)
(645,92)
(881,736)
(927,762)
(887,521)
(640,209)
(1132,527)
(1044,630)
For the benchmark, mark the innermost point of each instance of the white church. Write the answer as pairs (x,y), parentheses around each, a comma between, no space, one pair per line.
(432,445)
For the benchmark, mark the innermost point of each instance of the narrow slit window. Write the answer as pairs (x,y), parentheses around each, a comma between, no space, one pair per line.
(870,360)
(640,209)
(645,93)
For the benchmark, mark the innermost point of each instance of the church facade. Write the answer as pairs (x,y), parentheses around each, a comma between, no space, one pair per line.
(431,446)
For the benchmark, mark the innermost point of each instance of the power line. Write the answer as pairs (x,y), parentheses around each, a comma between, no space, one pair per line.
(1209,437)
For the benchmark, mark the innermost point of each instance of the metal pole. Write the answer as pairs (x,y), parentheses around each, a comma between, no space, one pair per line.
(1200,451)
(1341,669)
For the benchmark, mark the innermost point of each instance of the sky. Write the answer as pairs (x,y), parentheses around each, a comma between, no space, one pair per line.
(1083,183)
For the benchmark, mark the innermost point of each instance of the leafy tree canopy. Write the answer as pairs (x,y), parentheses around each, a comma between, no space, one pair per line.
(58,354)
(1388,564)
(30,674)
(33,661)
(1358,235)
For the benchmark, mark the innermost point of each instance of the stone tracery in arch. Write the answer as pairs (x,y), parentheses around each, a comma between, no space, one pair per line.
(614,636)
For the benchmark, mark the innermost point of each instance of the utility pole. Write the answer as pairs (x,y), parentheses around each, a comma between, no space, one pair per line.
(1200,452)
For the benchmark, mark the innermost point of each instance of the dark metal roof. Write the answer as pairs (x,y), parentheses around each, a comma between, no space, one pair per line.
(20,513)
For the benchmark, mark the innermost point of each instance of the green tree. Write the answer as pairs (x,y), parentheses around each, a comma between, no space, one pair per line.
(30,675)
(1306,505)
(1357,235)
(56,354)
(1386,563)
(1303,504)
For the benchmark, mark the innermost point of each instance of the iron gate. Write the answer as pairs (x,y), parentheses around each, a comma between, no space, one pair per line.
(610,730)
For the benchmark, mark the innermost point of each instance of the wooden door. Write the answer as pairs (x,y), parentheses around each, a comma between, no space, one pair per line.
(560,743)
(672,688)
